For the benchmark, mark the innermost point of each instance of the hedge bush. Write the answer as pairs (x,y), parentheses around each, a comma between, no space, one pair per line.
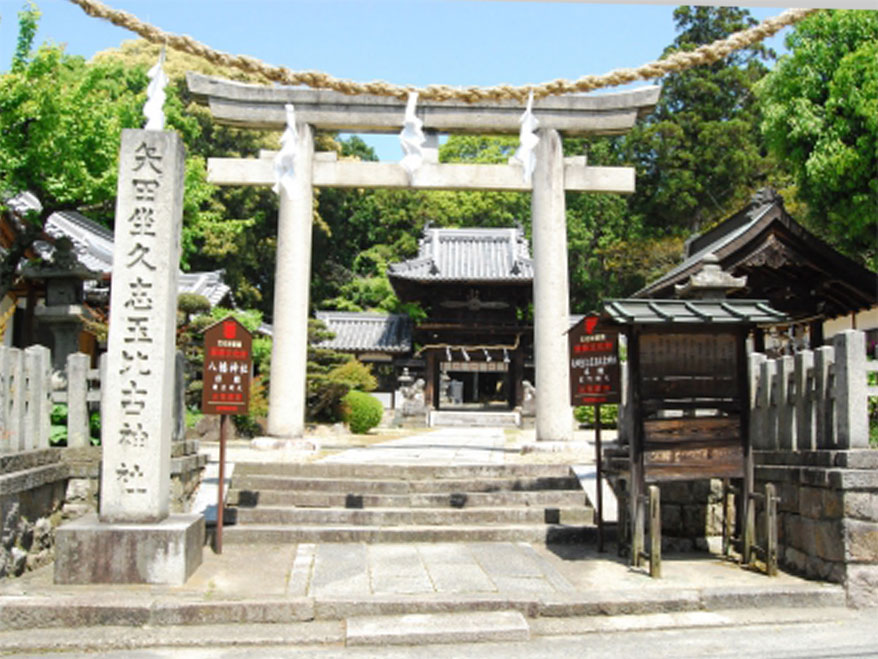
(609,415)
(361,411)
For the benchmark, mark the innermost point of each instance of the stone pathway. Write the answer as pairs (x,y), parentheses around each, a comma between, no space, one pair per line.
(360,570)
(452,446)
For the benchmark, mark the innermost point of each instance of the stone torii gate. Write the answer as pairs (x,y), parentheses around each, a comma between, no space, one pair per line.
(257,106)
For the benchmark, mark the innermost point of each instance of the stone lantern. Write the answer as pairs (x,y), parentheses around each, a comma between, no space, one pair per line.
(61,315)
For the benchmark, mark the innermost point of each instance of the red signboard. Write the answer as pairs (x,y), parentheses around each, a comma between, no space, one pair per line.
(594,364)
(227,368)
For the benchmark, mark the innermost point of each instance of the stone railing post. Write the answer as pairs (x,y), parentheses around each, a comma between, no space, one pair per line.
(768,402)
(851,416)
(757,410)
(11,398)
(38,398)
(786,430)
(77,400)
(804,374)
(823,364)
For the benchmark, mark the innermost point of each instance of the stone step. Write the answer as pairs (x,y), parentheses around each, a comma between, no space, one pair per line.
(404,472)
(473,419)
(278,534)
(251,498)
(424,628)
(377,486)
(422,516)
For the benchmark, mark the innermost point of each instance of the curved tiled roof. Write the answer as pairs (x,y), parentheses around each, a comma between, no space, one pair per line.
(468,255)
(367,332)
(726,311)
(94,249)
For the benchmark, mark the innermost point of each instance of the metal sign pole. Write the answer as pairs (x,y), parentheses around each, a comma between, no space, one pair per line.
(220,504)
(598,458)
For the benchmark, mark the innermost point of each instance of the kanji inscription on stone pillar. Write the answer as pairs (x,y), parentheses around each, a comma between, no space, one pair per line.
(137,419)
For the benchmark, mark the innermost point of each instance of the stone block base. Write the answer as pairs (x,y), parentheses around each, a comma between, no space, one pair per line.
(167,552)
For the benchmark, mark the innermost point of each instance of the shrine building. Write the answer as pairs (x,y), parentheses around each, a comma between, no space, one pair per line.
(474,349)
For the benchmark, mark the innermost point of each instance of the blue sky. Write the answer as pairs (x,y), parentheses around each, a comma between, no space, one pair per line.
(457,42)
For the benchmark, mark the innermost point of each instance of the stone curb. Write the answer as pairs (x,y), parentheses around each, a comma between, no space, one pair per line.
(441,628)
(29,612)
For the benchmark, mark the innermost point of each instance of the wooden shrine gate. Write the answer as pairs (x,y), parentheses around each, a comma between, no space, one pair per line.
(257,106)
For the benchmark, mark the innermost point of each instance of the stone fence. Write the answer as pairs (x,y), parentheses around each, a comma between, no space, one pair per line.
(809,427)
(28,389)
(25,398)
(42,486)
(814,401)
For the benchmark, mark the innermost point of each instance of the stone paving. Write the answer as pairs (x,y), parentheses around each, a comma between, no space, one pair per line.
(334,582)
(453,446)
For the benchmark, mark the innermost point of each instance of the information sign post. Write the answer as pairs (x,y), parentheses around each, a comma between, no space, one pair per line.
(594,379)
(226,378)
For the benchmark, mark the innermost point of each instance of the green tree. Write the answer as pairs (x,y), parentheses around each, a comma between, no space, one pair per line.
(60,122)
(699,155)
(820,108)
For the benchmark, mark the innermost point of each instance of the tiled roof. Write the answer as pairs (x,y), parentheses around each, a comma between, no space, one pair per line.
(723,312)
(208,284)
(94,248)
(92,242)
(367,332)
(468,255)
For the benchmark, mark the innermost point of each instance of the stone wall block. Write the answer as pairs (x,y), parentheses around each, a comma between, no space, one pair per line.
(811,502)
(789,498)
(807,539)
(817,568)
(861,505)
(795,559)
(832,503)
(861,540)
(829,541)
(861,583)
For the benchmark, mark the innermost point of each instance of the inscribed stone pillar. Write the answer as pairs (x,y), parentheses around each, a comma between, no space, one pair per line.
(554,420)
(137,417)
(289,356)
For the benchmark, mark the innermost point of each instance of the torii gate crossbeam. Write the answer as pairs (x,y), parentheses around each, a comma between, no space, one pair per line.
(258,106)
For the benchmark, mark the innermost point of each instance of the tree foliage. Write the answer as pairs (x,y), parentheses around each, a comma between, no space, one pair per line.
(820,108)
(699,155)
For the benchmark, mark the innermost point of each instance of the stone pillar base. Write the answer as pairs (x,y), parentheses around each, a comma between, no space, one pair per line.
(167,552)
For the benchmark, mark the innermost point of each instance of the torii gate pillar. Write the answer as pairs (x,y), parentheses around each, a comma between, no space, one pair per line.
(289,356)
(554,422)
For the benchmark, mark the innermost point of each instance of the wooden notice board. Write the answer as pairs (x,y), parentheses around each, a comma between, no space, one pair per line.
(227,368)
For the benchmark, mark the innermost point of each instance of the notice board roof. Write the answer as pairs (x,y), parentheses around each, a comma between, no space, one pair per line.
(690,312)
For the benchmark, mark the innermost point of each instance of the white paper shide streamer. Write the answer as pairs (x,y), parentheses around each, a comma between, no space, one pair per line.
(285,160)
(154,110)
(412,138)
(527,141)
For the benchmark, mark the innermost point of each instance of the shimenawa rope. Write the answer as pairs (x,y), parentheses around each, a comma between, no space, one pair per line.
(679,61)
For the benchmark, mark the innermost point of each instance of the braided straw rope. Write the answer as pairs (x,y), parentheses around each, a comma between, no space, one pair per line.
(677,62)
(4,319)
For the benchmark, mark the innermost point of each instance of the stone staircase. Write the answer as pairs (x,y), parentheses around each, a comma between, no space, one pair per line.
(323,502)
(473,418)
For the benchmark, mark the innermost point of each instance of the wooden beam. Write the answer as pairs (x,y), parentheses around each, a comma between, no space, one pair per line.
(356,174)
(261,106)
